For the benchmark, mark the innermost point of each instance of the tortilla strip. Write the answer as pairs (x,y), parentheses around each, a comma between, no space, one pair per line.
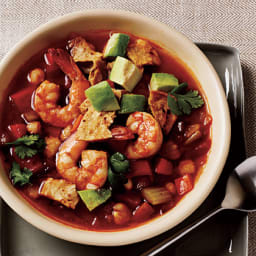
(94,125)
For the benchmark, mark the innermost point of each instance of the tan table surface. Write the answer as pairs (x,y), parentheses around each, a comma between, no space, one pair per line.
(215,21)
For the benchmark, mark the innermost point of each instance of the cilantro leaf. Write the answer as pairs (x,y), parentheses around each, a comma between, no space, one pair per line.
(27,140)
(194,99)
(24,151)
(179,88)
(184,103)
(18,176)
(172,103)
(28,145)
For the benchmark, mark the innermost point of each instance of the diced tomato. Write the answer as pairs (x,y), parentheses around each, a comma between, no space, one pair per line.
(48,58)
(140,168)
(52,131)
(183,184)
(51,66)
(22,99)
(164,167)
(34,163)
(130,198)
(143,212)
(17,130)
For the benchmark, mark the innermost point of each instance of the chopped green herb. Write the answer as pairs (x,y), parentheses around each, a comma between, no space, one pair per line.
(28,145)
(24,151)
(28,140)
(18,176)
(179,88)
(116,180)
(119,163)
(94,198)
(172,103)
(183,103)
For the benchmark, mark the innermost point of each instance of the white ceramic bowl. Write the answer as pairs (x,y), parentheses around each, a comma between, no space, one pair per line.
(178,45)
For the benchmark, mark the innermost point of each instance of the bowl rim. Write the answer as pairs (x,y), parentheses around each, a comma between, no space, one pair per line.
(114,238)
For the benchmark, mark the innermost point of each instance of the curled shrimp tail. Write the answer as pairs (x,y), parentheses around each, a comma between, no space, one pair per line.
(66,64)
(47,94)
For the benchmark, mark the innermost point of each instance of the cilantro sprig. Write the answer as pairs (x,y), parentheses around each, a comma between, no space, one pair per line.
(28,145)
(184,103)
(18,176)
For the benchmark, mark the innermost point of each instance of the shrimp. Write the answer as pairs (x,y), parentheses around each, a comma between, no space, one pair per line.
(149,133)
(94,165)
(47,94)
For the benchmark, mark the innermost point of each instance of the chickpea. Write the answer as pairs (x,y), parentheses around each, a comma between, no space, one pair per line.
(121,213)
(36,76)
(186,167)
(34,127)
(33,191)
(66,132)
(128,185)
(170,150)
(52,146)
(171,188)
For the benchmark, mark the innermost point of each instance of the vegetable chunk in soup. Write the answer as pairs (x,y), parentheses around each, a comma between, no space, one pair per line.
(105,131)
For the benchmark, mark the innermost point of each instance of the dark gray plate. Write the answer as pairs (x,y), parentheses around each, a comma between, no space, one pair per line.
(225,234)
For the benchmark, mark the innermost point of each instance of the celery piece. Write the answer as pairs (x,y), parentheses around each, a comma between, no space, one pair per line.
(94,198)
(156,195)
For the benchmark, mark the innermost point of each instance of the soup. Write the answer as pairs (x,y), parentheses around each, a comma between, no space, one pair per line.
(105,131)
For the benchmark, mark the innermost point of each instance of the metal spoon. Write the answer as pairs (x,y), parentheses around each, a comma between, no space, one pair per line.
(240,195)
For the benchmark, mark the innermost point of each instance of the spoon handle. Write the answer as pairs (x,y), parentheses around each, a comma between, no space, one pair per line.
(170,240)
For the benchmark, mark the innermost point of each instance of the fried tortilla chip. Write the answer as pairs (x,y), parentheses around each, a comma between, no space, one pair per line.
(141,53)
(60,190)
(94,125)
(159,107)
(170,121)
(157,102)
(84,52)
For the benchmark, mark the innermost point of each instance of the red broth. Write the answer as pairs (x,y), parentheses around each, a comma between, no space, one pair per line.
(101,218)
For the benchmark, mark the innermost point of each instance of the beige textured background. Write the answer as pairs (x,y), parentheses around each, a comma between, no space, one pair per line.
(216,21)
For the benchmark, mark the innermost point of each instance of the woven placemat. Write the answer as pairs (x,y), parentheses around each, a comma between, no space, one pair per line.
(228,22)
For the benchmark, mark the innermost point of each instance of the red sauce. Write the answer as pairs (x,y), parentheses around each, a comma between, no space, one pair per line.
(101,218)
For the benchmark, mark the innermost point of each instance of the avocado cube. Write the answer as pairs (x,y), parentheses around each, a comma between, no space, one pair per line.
(125,73)
(131,103)
(102,97)
(163,82)
(94,198)
(116,45)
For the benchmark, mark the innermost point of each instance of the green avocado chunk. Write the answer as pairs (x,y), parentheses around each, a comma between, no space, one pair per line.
(116,45)
(131,103)
(125,73)
(163,82)
(102,97)
(94,198)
